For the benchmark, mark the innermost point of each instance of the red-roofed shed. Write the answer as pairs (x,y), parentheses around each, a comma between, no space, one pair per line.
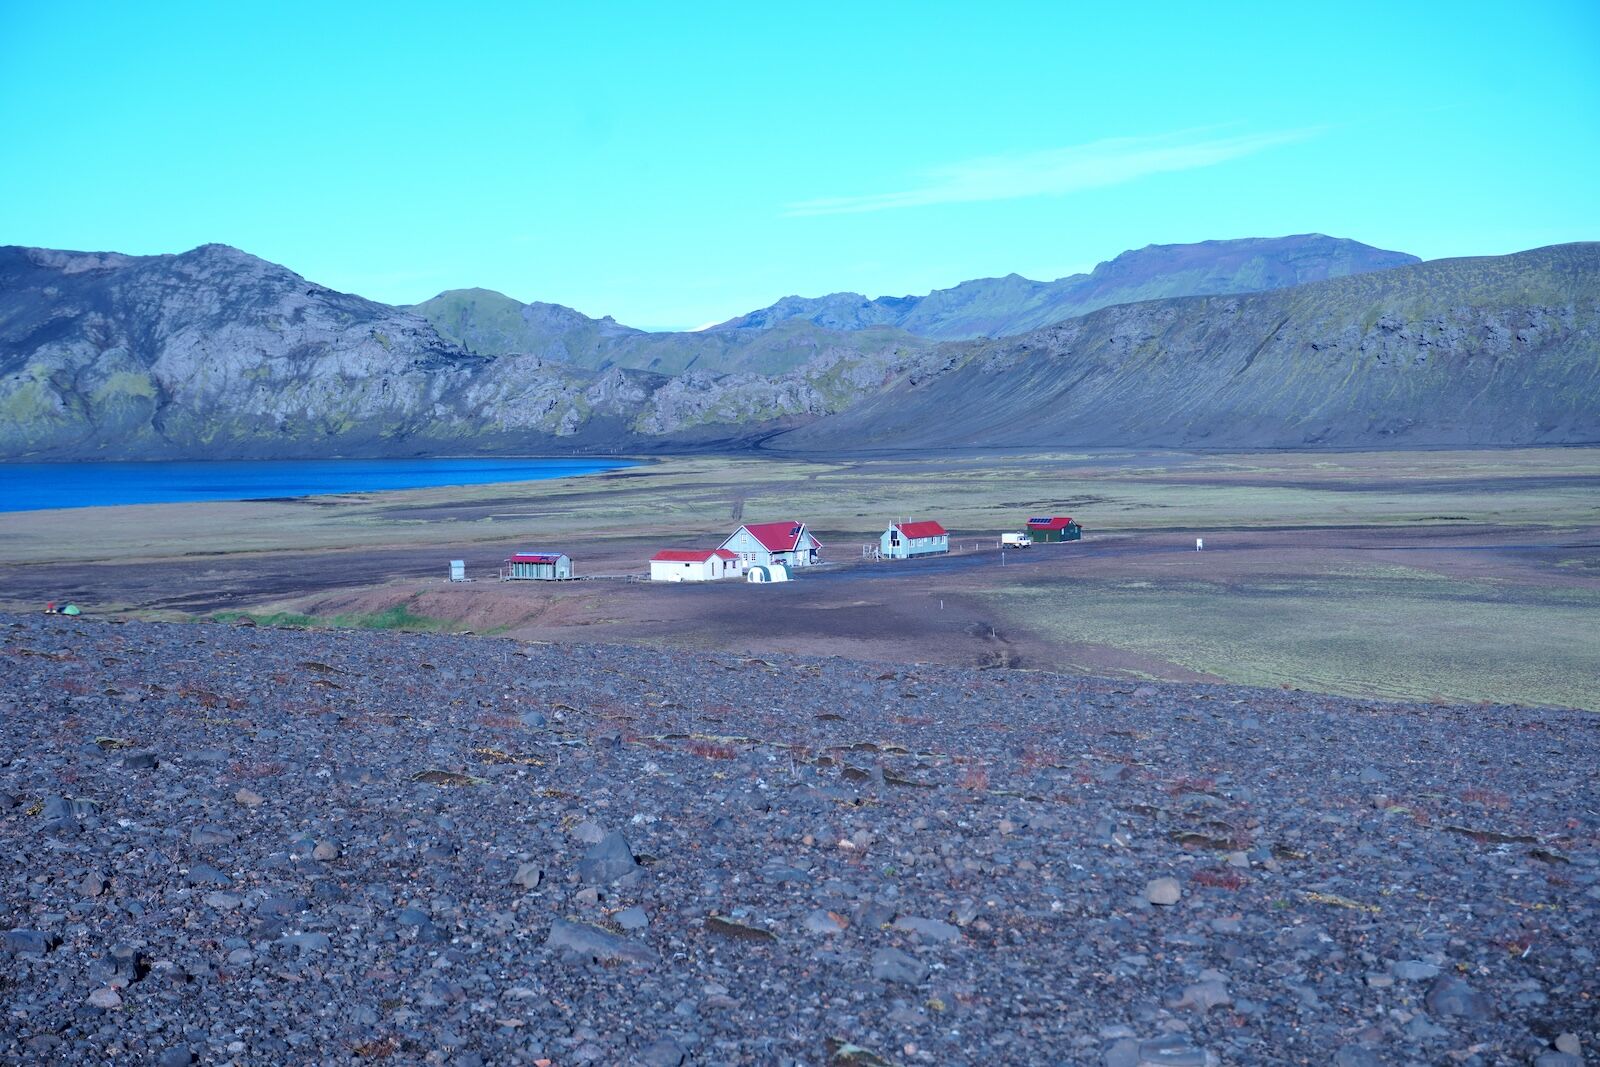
(1054,528)
(693,565)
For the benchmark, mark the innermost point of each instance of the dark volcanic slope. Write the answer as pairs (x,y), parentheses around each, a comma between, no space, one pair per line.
(999,307)
(1495,351)
(258,846)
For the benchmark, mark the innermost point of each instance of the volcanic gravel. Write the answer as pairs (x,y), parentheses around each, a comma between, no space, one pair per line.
(231,844)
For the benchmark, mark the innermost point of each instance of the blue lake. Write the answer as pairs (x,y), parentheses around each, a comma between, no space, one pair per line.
(35,486)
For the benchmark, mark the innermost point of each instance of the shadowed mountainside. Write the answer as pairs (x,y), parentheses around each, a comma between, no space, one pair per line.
(1481,351)
(999,307)
(216,353)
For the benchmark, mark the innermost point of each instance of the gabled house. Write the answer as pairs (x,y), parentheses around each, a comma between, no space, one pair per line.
(903,540)
(693,565)
(765,543)
(1054,528)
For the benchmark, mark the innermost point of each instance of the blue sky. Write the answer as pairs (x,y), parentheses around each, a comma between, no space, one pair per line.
(672,167)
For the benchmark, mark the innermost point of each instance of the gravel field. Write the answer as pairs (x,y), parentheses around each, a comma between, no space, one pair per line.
(236,844)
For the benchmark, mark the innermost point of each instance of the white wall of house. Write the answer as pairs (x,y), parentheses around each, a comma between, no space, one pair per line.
(711,570)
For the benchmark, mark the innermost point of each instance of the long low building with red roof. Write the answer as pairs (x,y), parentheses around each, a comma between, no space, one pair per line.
(693,565)
(761,544)
(903,540)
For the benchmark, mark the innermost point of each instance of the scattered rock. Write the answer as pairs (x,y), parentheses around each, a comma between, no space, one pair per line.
(1200,996)
(824,922)
(1413,970)
(591,942)
(663,1052)
(893,965)
(719,924)
(928,929)
(1357,1056)
(1163,891)
(34,942)
(1451,995)
(106,998)
(609,860)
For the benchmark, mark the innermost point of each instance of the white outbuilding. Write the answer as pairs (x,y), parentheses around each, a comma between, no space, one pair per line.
(693,565)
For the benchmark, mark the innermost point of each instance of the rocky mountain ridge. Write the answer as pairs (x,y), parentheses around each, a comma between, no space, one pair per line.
(999,307)
(217,354)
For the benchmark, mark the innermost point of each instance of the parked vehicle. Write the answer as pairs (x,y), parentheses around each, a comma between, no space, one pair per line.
(1015,540)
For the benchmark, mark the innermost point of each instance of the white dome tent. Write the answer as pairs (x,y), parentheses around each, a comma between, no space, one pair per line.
(767,572)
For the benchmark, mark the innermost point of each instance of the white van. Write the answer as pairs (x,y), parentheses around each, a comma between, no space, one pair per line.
(1015,540)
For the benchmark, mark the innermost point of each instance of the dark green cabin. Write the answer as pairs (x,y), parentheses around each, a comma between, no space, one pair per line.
(1054,528)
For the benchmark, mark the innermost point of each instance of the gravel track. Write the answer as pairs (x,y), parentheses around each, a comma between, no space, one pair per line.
(230,844)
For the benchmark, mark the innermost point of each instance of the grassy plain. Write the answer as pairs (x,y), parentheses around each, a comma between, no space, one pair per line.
(1469,575)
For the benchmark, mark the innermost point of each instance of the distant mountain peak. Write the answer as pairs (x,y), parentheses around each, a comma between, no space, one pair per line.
(1012,303)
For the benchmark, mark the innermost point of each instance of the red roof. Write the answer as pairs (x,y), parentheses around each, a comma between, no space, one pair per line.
(690,555)
(1055,522)
(533,557)
(777,536)
(915,530)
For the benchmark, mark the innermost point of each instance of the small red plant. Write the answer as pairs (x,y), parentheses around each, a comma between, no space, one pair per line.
(1218,879)
(975,780)
(1487,797)
(707,750)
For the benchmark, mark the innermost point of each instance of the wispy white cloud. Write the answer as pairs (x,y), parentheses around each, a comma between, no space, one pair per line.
(1056,171)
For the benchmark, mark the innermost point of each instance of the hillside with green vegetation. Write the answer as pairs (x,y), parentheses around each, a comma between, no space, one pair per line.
(493,324)
(1480,351)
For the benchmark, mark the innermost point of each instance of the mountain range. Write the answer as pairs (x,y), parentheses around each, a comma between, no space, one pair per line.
(997,307)
(789,333)
(214,353)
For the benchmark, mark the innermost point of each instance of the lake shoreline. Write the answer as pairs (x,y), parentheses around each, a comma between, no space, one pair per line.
(28,487)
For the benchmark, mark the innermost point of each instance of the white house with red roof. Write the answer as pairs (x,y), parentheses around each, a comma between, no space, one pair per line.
(761,544)
(693,565)
(903,540)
